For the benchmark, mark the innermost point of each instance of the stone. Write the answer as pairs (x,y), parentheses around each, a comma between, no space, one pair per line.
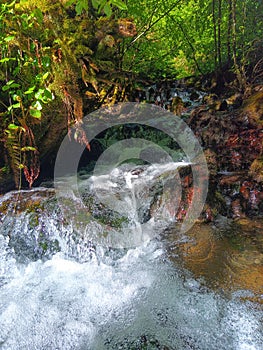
(253,109)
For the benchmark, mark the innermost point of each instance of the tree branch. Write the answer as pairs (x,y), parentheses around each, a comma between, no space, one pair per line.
(152,24)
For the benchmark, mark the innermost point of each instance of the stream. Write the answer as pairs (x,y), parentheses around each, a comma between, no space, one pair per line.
(119,273)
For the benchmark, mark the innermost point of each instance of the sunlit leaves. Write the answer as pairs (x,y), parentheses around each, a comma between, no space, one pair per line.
(30,90)
(7,59)
(14,106)
(43,95)
(35,113)
(102,6)
(120,4)
(38,15)
(95,3)
(81,6)
(12,126)
(10,85)
(28,148)
(9,38)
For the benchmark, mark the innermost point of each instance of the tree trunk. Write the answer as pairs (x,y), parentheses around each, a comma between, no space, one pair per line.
(229,29)
(234,46)
(215,33)
(219,33)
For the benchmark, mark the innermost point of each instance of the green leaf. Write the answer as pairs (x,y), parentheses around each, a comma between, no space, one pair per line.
(79,8)
(9,85)
(48,94)
(121,5)
(38,15)
(5,88)
(30,90)
(13,126)
(95,4)
(39,94)
(14,85)
(28,148)
(16,105)
(85,4)
(9,38)
(107,10)
(11,4)
(69,3)
(45,76)
(7,59)
(102,4)
(35,113)
(43,95)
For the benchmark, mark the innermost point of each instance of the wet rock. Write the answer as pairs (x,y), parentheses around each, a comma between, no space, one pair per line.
(145,342)
(228,256)
(215,103)
(237,208)
(245,189)
(16,202)
(194,96)
(256,170)
(227,180)
(235,101)
(210,99)
(211,158)
(221,106)
(177,106)
(253,109)
(233,144)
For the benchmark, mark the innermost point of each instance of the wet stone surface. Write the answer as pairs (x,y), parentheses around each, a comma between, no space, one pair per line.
(227,255)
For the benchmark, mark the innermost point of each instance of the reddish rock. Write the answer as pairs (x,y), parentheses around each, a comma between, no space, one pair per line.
(237,209)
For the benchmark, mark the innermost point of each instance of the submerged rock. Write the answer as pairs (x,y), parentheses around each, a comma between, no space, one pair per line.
(228,255)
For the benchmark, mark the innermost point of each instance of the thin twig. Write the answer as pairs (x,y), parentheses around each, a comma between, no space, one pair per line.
(152,24)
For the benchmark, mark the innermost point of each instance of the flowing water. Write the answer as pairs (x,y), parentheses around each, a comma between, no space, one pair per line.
(63,286)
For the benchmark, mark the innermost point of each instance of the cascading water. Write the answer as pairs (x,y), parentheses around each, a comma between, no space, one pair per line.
(62,289)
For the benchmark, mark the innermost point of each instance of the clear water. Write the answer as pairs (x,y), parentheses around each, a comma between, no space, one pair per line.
(58,290)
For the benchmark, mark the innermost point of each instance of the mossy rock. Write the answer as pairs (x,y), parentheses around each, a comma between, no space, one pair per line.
(253,108)
(256,170)
(177,106)
(211,158)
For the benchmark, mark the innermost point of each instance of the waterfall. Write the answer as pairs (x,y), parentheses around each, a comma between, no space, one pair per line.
(63,286)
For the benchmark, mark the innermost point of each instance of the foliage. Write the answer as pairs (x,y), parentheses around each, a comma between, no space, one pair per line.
(24,76)
(49,51)
(180,38)
(102,6)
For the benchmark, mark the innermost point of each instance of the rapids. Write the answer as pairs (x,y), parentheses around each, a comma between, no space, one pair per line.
(60,288)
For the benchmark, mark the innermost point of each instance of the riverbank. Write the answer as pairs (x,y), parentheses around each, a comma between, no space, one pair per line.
(228,127)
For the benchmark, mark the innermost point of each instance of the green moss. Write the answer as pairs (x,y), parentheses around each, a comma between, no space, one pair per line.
(34,207)
(33,221)
(49,247)
(4,207)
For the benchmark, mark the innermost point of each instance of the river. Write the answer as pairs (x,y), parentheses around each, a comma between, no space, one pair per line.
(64,285)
